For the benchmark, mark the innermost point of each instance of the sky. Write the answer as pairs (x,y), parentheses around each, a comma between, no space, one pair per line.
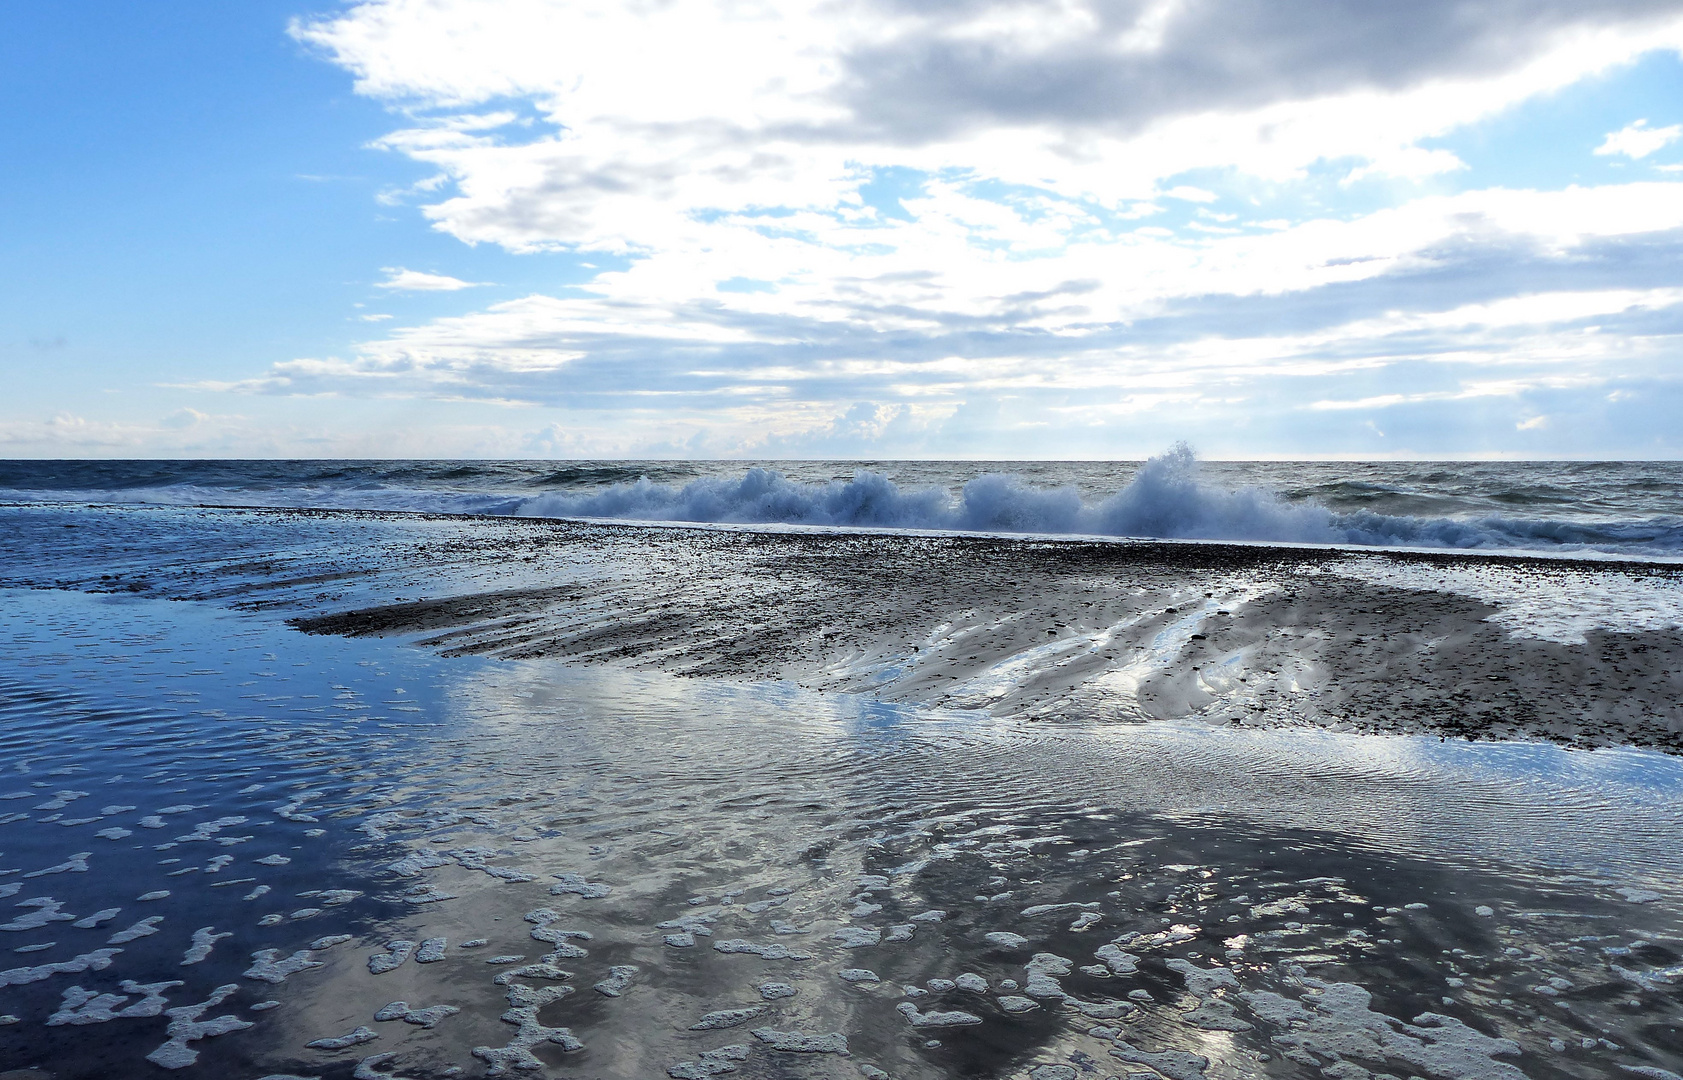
(842,229)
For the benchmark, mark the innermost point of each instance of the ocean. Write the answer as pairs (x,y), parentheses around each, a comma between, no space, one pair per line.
(1165,770)
(1623,508)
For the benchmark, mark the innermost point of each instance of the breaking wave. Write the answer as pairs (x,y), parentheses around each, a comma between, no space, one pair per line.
(1166,499)
(1169,497)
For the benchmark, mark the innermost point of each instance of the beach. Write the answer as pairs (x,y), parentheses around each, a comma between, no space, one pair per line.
(299,790)
(1478,646)
(1066,540)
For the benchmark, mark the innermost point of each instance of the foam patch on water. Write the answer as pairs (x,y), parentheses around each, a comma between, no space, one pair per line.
(186,1027)
(942,851)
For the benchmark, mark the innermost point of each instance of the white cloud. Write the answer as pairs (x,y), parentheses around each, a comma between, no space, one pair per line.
(69,429)
(184,430)
(1059,338)
(705,141)
(1408,163)
(1638,140)
(845,302)
(185,418)
(649,116)
(400,280)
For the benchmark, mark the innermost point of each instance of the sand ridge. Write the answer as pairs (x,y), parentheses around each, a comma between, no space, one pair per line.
(1233,634)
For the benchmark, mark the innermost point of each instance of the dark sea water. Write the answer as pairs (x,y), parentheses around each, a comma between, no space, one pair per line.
(1630,508)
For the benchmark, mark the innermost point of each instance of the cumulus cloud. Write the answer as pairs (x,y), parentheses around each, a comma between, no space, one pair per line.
(636,120)
(1073,233)
(184,418)
(1638,140)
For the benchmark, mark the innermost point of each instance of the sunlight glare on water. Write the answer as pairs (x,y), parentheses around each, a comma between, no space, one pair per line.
(301,811)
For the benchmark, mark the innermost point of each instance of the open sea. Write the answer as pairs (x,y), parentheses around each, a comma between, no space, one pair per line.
(1629,508)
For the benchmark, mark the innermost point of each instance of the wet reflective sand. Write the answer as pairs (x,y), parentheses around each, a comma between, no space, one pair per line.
(234,849)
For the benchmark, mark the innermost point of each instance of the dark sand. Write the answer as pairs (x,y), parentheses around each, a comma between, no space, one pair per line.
(1252,634)
(1055,629)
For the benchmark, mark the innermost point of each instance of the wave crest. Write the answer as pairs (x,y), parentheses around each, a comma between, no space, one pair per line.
(1165,499)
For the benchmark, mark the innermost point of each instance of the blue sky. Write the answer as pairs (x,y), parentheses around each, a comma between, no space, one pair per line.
(879,228)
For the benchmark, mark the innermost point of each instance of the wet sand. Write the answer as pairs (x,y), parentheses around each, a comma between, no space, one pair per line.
(1135,632)
(1226,634)
(619,802)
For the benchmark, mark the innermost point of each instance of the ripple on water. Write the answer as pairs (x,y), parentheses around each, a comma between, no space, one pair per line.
(863,871)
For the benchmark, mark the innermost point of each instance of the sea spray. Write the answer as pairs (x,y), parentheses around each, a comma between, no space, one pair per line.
(1166,498)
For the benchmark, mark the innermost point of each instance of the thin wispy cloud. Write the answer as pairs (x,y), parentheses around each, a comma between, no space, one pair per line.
(399,279)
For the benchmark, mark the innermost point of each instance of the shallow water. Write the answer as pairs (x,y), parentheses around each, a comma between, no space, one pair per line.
(1232,894)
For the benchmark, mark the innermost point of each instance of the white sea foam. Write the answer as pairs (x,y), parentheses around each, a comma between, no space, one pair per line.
(1167,498)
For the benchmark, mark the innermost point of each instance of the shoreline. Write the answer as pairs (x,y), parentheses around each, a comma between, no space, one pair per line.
(659,821)
(1541,557)
(1047,629)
